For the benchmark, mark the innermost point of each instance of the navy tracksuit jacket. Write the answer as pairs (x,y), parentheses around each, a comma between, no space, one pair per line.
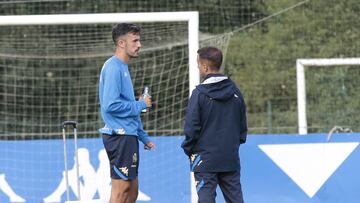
(215,125)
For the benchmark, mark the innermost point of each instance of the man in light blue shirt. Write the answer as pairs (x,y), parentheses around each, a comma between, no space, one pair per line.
(121,115)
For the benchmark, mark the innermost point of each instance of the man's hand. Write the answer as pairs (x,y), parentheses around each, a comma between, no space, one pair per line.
(149,146)
(147,100)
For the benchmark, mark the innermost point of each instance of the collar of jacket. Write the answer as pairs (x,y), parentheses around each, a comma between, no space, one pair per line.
(214,78)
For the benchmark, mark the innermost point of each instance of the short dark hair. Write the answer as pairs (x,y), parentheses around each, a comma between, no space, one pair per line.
(213,55)
(124,28)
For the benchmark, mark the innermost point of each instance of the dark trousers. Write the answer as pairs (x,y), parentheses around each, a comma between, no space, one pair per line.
(229,182)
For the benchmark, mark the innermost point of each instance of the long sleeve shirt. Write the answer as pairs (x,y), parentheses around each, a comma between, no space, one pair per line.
(119,109)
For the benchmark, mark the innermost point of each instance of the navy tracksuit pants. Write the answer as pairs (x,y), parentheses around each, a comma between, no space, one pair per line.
(229,182)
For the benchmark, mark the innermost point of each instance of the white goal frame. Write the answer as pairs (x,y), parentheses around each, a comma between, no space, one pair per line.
(191,17)
(301,88)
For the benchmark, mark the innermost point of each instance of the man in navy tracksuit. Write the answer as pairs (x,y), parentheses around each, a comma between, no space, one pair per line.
(215,126)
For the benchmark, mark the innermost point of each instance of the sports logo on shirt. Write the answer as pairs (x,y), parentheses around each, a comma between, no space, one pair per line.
(192,157)
(121,131)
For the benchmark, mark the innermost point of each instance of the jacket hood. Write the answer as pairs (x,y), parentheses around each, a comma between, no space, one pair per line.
(218,87)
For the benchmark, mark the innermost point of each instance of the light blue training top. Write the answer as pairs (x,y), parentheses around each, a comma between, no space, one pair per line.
(119,109)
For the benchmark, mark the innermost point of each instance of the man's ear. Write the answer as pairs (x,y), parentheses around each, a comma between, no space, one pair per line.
(121,43)
(205,66)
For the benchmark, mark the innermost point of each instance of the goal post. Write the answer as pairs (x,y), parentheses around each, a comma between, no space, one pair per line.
(301,86)
(192,17)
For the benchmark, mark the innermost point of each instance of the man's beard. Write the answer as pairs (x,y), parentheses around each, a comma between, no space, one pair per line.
(135,55)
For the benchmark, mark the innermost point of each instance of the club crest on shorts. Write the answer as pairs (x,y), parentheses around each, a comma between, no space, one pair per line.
(134,160)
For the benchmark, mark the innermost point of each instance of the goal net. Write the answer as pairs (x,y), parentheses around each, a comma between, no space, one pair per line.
(49,70)
(333,86)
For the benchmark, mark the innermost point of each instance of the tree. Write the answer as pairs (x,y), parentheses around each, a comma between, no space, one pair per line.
(262,58)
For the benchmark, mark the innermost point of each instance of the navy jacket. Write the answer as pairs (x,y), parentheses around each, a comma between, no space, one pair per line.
(215,125)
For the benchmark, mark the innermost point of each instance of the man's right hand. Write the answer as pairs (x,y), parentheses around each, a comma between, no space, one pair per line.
(147,100)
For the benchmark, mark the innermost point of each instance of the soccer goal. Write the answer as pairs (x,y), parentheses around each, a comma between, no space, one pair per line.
(49,70)
(50,66)
(301,87)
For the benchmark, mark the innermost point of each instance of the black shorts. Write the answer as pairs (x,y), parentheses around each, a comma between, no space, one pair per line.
(123,154)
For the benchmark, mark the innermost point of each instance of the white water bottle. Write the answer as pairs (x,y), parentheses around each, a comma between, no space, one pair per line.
(146,93)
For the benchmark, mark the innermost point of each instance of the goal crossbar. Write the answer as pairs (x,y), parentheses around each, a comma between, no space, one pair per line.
(301,88)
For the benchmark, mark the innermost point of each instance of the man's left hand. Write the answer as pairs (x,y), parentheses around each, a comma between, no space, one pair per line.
(149,146)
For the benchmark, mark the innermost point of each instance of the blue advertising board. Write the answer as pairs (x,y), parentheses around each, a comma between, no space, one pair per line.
(301,168)
(274,168)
